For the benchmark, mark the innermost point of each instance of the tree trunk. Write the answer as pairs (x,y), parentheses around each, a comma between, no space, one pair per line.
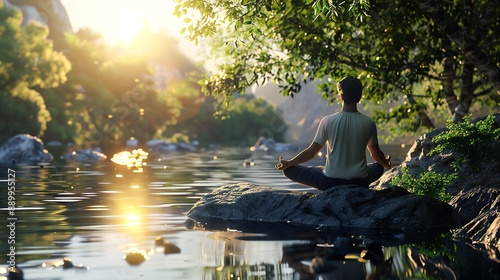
(466,93)
(425,121)
(486,18)
(465,41)
(447,78)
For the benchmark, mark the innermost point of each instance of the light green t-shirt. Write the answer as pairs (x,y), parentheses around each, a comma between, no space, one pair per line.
(347,135)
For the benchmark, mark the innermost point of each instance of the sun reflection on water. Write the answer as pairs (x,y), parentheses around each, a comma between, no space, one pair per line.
(133,160)
(133,220)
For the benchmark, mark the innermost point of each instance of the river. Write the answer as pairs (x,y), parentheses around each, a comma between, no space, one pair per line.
(110,222)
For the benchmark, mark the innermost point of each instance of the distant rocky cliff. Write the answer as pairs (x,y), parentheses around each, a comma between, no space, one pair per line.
(50,13)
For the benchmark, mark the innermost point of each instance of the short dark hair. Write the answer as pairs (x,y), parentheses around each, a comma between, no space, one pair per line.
(351,88)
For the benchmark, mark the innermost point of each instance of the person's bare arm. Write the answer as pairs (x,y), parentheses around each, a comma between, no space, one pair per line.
(305,155)
(379,156)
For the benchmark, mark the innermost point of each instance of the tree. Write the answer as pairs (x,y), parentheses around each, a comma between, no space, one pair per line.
(109,97)
(395,49)
(28,64)
(114,93)
(245,120)
(73,103)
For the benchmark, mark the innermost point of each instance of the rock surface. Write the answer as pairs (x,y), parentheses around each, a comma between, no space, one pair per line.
(50,13)
(476,194)
(84,156)
(417,161)
(24,149)
(479,209)
(475,205)
(341,207)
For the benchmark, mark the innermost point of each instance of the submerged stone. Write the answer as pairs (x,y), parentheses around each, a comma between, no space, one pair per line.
(349,206)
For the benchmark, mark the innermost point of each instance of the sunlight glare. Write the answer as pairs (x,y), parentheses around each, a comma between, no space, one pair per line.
(121,158)
(133,220)
(128,26)
(119,21)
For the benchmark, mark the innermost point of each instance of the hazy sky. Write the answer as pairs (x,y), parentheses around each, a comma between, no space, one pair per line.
(120,20)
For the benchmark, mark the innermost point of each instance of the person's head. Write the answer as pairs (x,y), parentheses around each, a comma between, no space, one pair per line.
(351,89)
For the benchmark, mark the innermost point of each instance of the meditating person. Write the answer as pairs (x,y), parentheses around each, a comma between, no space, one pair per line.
(348,133)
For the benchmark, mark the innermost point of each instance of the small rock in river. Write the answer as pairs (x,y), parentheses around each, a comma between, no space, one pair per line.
(15,273)
(170,248)
(159,241)
(136,257)
(67,263)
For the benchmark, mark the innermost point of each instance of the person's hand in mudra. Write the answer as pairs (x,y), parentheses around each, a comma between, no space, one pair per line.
(282,164)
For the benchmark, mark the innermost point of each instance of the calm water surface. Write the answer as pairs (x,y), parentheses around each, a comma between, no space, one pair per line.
(96,215)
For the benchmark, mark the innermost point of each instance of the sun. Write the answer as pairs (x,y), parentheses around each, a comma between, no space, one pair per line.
(129,25)
(119,21)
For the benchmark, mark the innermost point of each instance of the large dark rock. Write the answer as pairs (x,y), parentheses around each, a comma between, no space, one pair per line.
(476,193)
(24,149)
(479,209)
(471,203)
(418,161)
(341,207)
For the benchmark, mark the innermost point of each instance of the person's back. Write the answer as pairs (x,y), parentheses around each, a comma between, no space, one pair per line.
(348,135)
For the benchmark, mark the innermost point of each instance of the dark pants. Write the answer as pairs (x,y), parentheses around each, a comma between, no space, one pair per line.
(313,176)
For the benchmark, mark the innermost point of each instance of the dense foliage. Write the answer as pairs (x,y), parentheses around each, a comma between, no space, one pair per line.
(428,183)
(474,144)
(247,119)
(404,54)
(28,64)
(92,94)
(108,98)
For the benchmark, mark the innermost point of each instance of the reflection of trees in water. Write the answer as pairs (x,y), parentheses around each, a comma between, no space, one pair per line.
(226,257)
(55,204)
(333,256)
(39,223)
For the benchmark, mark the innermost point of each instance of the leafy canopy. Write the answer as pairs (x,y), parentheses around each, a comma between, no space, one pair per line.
(28,64)
(394,49)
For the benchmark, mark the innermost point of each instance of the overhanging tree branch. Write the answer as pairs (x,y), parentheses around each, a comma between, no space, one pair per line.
(466,42)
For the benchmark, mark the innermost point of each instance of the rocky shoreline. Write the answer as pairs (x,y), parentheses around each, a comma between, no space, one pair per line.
(472,215)
(476,194)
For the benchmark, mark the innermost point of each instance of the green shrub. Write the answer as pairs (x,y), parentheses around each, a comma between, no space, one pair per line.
(428,183)
(473,144)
